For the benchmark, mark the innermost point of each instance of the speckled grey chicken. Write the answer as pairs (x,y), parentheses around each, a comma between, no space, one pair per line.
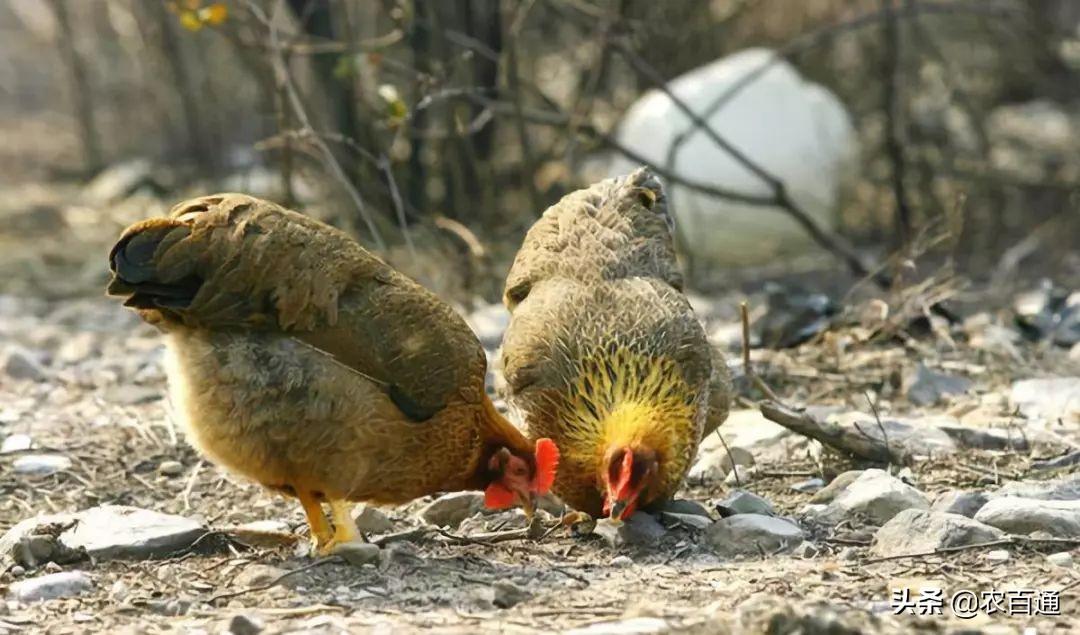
(604,354)
(301,360)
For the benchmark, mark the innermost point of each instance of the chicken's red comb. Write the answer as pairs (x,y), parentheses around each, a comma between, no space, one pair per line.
(547,464)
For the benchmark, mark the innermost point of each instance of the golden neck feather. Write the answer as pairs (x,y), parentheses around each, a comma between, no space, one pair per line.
(624,399)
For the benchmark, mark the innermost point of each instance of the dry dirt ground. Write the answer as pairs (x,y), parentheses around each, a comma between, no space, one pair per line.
(102,405)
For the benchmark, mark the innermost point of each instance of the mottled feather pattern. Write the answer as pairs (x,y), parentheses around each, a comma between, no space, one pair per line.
(300,359)
(602,347)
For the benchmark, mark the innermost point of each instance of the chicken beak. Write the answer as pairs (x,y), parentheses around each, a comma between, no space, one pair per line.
(617,509)
(528,505)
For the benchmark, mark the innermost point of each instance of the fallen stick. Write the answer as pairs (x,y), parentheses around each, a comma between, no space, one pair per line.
(836,436)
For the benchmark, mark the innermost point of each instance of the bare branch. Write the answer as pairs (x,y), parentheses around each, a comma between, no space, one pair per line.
(300,113)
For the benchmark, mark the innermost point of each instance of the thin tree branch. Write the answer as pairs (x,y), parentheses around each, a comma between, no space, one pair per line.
(300,113)
(894,148)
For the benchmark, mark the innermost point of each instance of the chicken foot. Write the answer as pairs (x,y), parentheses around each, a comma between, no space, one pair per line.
(321,536)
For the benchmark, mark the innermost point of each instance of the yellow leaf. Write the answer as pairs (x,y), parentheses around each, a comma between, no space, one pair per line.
(190,21)
(214,14)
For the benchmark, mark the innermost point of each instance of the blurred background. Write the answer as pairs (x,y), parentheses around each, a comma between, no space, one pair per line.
(878,140)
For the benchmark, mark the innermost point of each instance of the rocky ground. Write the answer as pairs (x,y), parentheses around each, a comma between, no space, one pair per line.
(113,524)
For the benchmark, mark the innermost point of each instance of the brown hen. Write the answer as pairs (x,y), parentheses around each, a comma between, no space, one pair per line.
(299,359)
(604,354)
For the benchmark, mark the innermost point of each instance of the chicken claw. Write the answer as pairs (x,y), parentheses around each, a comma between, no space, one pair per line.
(321,536)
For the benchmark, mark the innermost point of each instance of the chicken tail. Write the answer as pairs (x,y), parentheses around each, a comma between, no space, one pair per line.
(137,271)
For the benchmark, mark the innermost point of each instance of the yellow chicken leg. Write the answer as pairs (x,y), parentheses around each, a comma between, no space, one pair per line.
(344,526)
(321,537)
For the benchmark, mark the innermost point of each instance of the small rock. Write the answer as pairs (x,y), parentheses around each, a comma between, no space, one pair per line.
(19,363)
(632,626)
(733,457)
(641,529)
(16,443)
(1064,489)
(450,509)
(753,534)
(508,594)
(847,554)
(371,520)
(1061,559)
(964,503)
(741,475)
(806,549)
(743,502)
(1025,515)
(836,486)
(685,506)
(809,486)
(358,553)
(259,575)
(171,468)
(874,494)
(169,608)
(621,561)
(495,520)
(41,464)
(918,530)
(245,625)
(52,586)
(17,571)
(108,532)
(1053,398)
(997,556)
(928,387)
(986,438)
(119,591)
(687,520)
(77,347)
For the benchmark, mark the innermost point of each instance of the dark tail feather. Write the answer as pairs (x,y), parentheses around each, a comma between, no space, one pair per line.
(136,274)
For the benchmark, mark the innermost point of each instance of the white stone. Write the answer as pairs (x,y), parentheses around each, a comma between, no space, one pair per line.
(358,553)
(371,520)
(743,502)
(51,586)
(110,532)
(19,363)
(874,494)
(997,556)
(41,464)
(16,443)
(1065,488)
(450,510)
(796,130)
(641,529)
(1061,559)
(918,530)
(1053,398)
(1026,515)
(965,503)
(753,534)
